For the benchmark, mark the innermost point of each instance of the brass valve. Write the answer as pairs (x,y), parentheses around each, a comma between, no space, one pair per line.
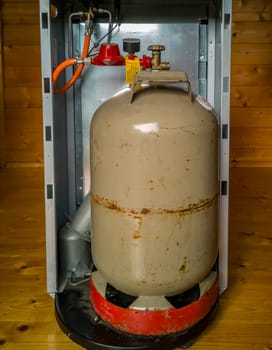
(156,63)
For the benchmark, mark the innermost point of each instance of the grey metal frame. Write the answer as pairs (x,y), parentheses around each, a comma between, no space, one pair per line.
(49,173)
(225,31)
(66,118)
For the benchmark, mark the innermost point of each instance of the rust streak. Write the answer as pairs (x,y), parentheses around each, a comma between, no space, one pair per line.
(184,265)
(194,207)
(190,209)
(107,203)
(136,235)
(182,268)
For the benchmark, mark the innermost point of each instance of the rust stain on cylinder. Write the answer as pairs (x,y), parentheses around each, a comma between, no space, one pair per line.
(184,265)
(107,203)
(182,268)
(190,209)
(136,235)
(145,211)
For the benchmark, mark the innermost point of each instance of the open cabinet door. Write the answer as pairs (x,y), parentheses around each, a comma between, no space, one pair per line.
(1,98)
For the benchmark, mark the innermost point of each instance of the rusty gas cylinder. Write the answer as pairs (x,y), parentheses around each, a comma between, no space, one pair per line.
(154,187)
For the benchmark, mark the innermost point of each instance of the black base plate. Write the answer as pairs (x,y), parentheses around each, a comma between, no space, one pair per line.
(77,318)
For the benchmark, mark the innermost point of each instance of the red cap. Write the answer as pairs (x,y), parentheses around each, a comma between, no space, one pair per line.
(109,55)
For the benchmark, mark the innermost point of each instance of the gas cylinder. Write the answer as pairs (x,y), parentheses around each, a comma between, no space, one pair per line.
(154,187)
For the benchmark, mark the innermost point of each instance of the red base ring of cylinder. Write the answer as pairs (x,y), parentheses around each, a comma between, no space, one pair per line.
(153,322)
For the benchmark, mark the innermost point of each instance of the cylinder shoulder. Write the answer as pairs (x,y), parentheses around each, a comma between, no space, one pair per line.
(163,105)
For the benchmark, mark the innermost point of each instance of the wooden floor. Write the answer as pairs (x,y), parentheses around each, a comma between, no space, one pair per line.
(244,318)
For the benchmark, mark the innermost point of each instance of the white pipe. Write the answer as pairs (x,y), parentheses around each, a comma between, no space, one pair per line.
(70,31)
(110,22)
(107,12)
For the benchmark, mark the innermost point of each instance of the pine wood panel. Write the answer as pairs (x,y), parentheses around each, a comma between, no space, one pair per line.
(23,97)
(21,13)
(247,157)
(250,96)
(243,320)
(22,83)
(251,6)
(251,54)
(2,145)
(248,137)
(251,74)
(24,118)
(251,11)
(29,36)
(22,56)
(252,16)
(248,143)
(251,117)
(251,32)
(18,2)
(24,150)
(251,106)
(24,146)
(22,77)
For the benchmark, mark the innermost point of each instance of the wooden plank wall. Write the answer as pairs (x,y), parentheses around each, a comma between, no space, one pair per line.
(22,83)
(2,145)
(251,93)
